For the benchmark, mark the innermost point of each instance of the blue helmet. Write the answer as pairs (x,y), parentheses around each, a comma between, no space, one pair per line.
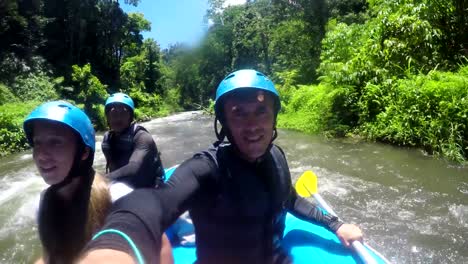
(64,113)
(120,98)
(245,79)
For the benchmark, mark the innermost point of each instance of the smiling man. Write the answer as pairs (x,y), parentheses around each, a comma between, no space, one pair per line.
(238,191)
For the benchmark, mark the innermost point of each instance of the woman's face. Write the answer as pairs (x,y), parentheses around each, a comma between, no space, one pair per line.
(55,146)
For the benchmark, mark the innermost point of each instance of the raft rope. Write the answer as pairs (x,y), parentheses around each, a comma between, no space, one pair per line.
(127,238)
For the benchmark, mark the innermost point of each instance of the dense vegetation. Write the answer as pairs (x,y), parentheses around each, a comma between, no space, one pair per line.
(80,51)
(394,71)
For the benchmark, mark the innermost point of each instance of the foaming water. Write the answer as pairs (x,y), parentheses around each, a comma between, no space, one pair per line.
(411,207)
(19,197)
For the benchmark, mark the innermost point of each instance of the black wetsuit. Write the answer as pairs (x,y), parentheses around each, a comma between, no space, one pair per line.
(133,158)
(237,208)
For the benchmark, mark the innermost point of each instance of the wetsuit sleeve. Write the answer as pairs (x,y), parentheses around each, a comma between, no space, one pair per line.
(305,210)
(139,221)
(143,151)
(144,222)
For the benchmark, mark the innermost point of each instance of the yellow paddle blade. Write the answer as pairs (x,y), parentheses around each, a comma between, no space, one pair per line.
(306,185)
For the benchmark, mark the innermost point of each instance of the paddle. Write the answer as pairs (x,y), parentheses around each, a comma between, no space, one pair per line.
(306,186)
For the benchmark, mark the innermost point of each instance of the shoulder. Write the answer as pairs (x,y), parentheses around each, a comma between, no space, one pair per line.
(142,135)
(200,162)
(137,128)
(201,166)
(213,155)
(278,153)
(278,149)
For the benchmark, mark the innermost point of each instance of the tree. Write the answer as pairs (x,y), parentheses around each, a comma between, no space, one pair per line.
(153,69)
(90,92)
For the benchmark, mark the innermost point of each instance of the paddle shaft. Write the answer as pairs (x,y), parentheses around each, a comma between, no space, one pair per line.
(357,246)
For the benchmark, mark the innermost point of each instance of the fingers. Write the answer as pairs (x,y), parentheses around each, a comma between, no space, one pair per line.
(348,233)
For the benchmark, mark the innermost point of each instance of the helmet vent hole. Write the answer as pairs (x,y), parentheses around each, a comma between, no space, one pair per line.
(64,106)
(229,77)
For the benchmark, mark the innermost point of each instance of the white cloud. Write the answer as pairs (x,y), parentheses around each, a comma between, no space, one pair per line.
(233,2)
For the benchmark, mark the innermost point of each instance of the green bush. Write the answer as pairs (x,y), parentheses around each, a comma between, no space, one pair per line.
(429,111)
(171,100)
(147,105)
(90,92)
(6,96)
(36,86)
(315,109)
(100,121)
(12,115)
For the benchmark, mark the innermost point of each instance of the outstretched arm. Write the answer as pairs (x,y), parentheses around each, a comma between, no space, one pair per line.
(40,261)
(107,256)
(307,211)
(143,151)
(144,214)
(133,227)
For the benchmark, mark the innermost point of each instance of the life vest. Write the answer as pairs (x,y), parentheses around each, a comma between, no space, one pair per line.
(119,149)
(241,218)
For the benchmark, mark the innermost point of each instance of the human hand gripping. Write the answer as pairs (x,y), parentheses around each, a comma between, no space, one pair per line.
(347,233)
(350,235)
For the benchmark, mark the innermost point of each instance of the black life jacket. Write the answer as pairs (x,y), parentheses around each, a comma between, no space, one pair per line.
(118,150)
(241,218)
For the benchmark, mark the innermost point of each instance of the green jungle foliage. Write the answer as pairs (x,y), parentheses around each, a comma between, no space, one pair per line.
(12,115)
(91,93)
(6,96)
(389,70)
(430,111)
(79,51)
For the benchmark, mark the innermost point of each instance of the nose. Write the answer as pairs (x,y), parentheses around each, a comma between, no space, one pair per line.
(251,122)
(40,153)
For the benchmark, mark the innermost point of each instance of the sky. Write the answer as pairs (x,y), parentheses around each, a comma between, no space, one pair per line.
(174,21)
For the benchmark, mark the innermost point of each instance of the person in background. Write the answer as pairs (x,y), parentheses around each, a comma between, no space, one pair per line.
(237,192)
(132,157)
(77,200)
(133,160)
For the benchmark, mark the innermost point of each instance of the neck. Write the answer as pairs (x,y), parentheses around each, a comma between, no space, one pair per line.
(123,130)
(67,191)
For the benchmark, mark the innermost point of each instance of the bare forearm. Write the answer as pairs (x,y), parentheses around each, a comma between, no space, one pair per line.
(104,256)
(39,261)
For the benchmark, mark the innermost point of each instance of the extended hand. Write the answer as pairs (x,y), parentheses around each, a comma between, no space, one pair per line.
(347,233)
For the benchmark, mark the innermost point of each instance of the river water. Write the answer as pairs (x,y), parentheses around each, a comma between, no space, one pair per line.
(411,207)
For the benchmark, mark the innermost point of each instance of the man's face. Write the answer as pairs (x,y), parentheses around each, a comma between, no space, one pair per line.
(250,119)
(119,117)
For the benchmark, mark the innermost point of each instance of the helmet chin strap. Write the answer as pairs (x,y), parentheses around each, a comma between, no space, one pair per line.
(221,134)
